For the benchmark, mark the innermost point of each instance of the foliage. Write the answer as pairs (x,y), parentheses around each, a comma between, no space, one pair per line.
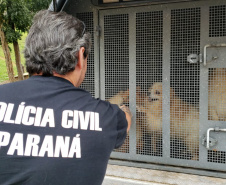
(36,5)
(16,18)
(3,70)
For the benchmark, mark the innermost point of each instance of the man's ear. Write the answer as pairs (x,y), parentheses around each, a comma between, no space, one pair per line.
(81,59)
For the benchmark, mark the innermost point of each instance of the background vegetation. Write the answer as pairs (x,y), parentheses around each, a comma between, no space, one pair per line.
(3,70)
(15,18)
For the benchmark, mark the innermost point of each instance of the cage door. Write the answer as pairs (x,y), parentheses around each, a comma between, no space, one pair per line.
(213,81)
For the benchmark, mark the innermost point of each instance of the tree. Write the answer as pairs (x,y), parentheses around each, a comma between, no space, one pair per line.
(36,5)
(6,51)
(4,44)
(15,19)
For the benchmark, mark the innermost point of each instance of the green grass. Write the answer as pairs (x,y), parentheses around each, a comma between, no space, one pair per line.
(3,70)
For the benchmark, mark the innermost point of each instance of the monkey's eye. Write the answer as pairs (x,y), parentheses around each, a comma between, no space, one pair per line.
(157,92)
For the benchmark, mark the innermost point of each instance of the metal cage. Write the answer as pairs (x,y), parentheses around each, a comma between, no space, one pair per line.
(167,62)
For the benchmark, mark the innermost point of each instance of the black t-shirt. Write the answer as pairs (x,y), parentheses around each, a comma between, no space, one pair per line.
(54,133)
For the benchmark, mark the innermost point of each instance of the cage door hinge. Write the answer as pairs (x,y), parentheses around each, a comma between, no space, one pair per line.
(98,30)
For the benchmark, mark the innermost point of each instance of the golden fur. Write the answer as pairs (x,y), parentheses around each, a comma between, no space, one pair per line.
(217,95)
(184,119)
(122,97)
(119,99)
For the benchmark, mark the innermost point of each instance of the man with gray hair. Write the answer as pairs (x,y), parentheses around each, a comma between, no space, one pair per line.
(52,131)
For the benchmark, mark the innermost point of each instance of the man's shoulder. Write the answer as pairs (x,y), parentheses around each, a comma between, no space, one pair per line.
(12,84)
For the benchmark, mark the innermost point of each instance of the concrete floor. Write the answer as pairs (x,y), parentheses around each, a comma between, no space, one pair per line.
(124,175)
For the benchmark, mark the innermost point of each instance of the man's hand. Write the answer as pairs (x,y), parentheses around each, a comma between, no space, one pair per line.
(128,115)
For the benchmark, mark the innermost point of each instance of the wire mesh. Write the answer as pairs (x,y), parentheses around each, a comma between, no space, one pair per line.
(216,156)
(184,82)
(185,27)
(89,81)
(217,106)
(149,43)
(116,53)
(217,94)
(217,17)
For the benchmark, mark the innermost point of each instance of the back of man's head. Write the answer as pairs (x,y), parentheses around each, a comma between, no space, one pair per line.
(53,43)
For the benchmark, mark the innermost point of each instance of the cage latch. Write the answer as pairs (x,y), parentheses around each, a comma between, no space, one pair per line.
(208,141)
(194,58)
(205,52)
(212,142)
